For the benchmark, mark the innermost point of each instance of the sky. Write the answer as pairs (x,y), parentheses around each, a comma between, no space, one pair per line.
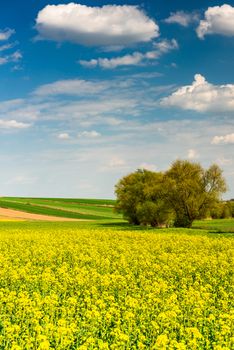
(93,90)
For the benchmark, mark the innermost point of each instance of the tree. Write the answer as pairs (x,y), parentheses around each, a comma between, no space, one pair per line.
(155,214)
(231,206)
(140,198)
(182,194)
(129,191)
(192,191)
(217,211)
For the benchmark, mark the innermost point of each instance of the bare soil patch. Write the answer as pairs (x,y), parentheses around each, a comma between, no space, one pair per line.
(21,215)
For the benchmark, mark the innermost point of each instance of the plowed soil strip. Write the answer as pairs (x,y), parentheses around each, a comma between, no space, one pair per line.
(15,214)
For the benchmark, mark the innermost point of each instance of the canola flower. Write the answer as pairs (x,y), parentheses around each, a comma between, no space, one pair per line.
(93,288)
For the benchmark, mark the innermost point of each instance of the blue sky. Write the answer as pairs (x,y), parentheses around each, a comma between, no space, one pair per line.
(92,90)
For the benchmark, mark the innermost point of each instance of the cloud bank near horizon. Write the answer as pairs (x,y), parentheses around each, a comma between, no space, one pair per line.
(202,96)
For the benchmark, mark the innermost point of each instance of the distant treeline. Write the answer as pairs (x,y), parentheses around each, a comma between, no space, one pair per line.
(223,210)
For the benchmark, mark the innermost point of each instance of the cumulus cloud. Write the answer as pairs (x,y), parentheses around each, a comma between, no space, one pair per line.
(13,124)
(110,25)
(134,59)
(6,34)
(182,18)
(226,139)
(71,87)
(202,96)
(192,154)
(127,60)
(89,134)
(64,136)
(93,134)
(218,20)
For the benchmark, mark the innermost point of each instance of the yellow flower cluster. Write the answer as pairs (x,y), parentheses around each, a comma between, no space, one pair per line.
(92,288)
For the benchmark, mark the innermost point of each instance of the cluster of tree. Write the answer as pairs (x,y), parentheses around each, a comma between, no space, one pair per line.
(176,197)
(223,210)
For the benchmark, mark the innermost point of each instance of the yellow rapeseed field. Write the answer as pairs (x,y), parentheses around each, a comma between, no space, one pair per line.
(98,288)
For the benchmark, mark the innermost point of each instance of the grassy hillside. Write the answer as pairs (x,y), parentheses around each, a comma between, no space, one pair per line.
(98,210)
(89,209)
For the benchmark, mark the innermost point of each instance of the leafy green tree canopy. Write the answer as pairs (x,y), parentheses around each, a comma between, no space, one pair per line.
(140,198)
(182,194)
(192,191)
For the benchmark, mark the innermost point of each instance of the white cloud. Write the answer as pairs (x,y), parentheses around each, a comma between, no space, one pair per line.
(116,162)
(6,34)
(87,113)
(89,134)
(13,124)
(223,139)
(3,60)
(71,87)
(6,47)
(202,96)
(14,57)
(11,57)
(130,136)
(165,46)
(192,154)
(134,59)
(90,64)
(218,20)
(127,60)
(113,103)
(17,68)
(110,25)
(64,136)
(146,75)
(19,110)
(183,18)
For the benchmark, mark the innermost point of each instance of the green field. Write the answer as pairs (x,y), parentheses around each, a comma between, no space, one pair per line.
(97,210)
(87,209)
(217,225)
